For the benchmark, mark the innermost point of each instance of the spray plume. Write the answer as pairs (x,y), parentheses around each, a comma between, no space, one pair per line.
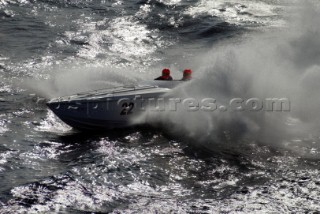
(277,64)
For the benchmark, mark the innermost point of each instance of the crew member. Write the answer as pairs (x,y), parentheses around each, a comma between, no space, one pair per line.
(186,75)
(165,75)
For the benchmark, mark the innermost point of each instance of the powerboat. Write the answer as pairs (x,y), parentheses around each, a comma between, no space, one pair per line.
(108,108)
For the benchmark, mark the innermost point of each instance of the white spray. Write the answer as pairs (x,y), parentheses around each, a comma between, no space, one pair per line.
(278,64)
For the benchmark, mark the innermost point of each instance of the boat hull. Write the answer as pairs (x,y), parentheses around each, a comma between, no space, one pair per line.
(103,110)
(91,115)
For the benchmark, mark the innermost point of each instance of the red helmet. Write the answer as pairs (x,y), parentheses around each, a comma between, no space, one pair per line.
(165,72)
(187,72)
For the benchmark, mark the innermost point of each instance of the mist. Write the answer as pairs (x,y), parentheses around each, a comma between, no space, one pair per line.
(67,79)
(279,63)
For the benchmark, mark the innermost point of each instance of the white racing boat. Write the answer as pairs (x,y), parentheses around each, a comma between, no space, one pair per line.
(107,108)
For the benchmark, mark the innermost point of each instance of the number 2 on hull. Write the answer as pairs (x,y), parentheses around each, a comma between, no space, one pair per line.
(127,108)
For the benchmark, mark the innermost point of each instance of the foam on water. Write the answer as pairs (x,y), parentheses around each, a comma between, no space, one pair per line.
(170,2)
(52,124)
(121,38)
(239,13)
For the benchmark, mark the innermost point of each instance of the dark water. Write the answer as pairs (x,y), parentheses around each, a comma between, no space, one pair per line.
(57,47)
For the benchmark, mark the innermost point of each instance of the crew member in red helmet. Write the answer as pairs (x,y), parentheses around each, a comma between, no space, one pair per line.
(165,75)
(186,74)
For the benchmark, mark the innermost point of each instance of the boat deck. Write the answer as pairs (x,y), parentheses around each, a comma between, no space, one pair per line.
(112,92)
